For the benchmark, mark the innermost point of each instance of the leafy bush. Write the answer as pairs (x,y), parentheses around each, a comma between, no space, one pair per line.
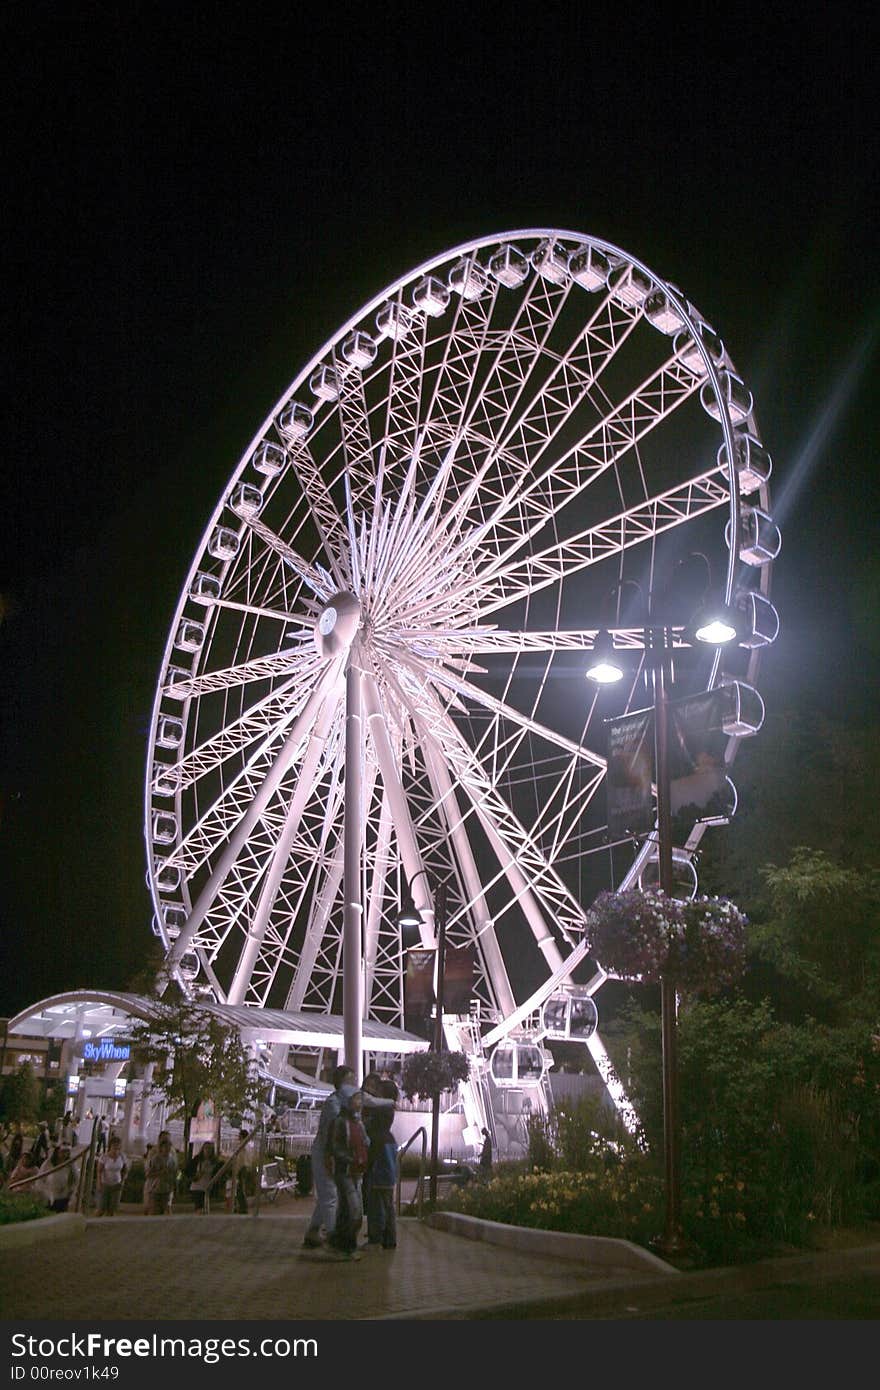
(624,1202)
(23,1206)
(541,1155)
(577,1136)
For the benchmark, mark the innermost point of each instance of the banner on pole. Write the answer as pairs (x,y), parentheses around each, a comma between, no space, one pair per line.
(699,788)
(458,979)
(418,991)
(630,773)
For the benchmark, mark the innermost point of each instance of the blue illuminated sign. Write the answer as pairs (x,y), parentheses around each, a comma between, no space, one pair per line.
(106,1051)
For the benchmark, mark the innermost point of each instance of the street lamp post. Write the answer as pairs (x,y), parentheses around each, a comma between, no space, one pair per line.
(672,1241)
(606,669)
(440,924)
(410,916)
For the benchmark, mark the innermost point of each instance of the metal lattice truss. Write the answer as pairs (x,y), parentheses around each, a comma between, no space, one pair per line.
(464,473)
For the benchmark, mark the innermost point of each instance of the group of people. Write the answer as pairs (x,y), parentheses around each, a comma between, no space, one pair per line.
(354,1165)
(49,1169)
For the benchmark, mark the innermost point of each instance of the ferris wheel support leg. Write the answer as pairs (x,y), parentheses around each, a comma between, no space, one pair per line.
(487,941)
(377,894)
(353,910)
(406,835)
(239,836)
(315,933)
(278,863)
(520,886)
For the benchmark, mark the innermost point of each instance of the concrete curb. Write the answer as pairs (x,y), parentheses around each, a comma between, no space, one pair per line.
(602,1252)
(15,1235)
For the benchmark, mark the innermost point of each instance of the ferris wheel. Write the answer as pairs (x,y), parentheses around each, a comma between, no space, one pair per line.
(374,677)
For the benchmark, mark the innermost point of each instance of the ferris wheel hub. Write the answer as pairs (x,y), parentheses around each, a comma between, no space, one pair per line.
(337,624)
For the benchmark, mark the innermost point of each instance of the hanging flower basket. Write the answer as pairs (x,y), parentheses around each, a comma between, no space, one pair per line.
(427,1074)
(699,945)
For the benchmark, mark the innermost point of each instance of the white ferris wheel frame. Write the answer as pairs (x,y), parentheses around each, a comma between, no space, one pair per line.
(290,726)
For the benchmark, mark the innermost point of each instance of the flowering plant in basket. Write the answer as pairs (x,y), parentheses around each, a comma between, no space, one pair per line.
(700,944)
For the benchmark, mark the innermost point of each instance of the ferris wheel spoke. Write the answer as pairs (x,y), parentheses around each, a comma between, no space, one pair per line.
(638,525)
(561,803)
(439,644)
(511,842)
(530,503)
(315,752)
(326,688)
(267,717)
(410,853)
(405,383)
(377,882)
(461,686)
(325,516)
(309,575)
(299,661)
(514,445)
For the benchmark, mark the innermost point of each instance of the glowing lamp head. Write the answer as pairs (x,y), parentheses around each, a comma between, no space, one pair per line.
(604,669)
(716,625)
(715,632)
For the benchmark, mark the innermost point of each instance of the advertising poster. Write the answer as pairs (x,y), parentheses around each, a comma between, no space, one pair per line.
(204,1123)
(458,979)
(698,785)
(418,991)
(630,773)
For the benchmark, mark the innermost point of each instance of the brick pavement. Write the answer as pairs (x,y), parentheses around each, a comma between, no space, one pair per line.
(222,1267)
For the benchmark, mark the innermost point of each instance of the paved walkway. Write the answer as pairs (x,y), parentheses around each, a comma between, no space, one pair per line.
(255,1268)
(224,1267)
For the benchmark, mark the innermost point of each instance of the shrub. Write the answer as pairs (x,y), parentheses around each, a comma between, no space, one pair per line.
(623,1202)
(20,1206)
(541,1155)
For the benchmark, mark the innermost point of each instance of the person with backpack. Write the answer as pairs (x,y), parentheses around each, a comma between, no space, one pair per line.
(347,1151)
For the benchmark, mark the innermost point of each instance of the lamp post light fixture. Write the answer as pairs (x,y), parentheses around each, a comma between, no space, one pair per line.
(712,627)
(411,917)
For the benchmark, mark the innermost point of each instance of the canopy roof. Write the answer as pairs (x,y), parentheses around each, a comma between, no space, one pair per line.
(103,1013)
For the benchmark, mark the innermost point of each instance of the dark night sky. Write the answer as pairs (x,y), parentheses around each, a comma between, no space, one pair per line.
(194,204)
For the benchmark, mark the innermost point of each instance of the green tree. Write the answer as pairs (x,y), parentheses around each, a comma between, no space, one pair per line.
(197,1057)
(21,1095)
(821,934)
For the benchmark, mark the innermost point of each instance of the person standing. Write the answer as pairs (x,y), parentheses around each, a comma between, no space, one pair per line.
(16,1147)
(207,1164)
(112,1170)
(347,1149)
(382,1166)
(161,1177)
(58,1178)
(239,1163)
(485,1164)
(40,1146)
(324,1215)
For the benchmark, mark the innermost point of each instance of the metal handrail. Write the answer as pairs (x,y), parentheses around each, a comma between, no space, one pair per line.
(87,1171)
(420,1185)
